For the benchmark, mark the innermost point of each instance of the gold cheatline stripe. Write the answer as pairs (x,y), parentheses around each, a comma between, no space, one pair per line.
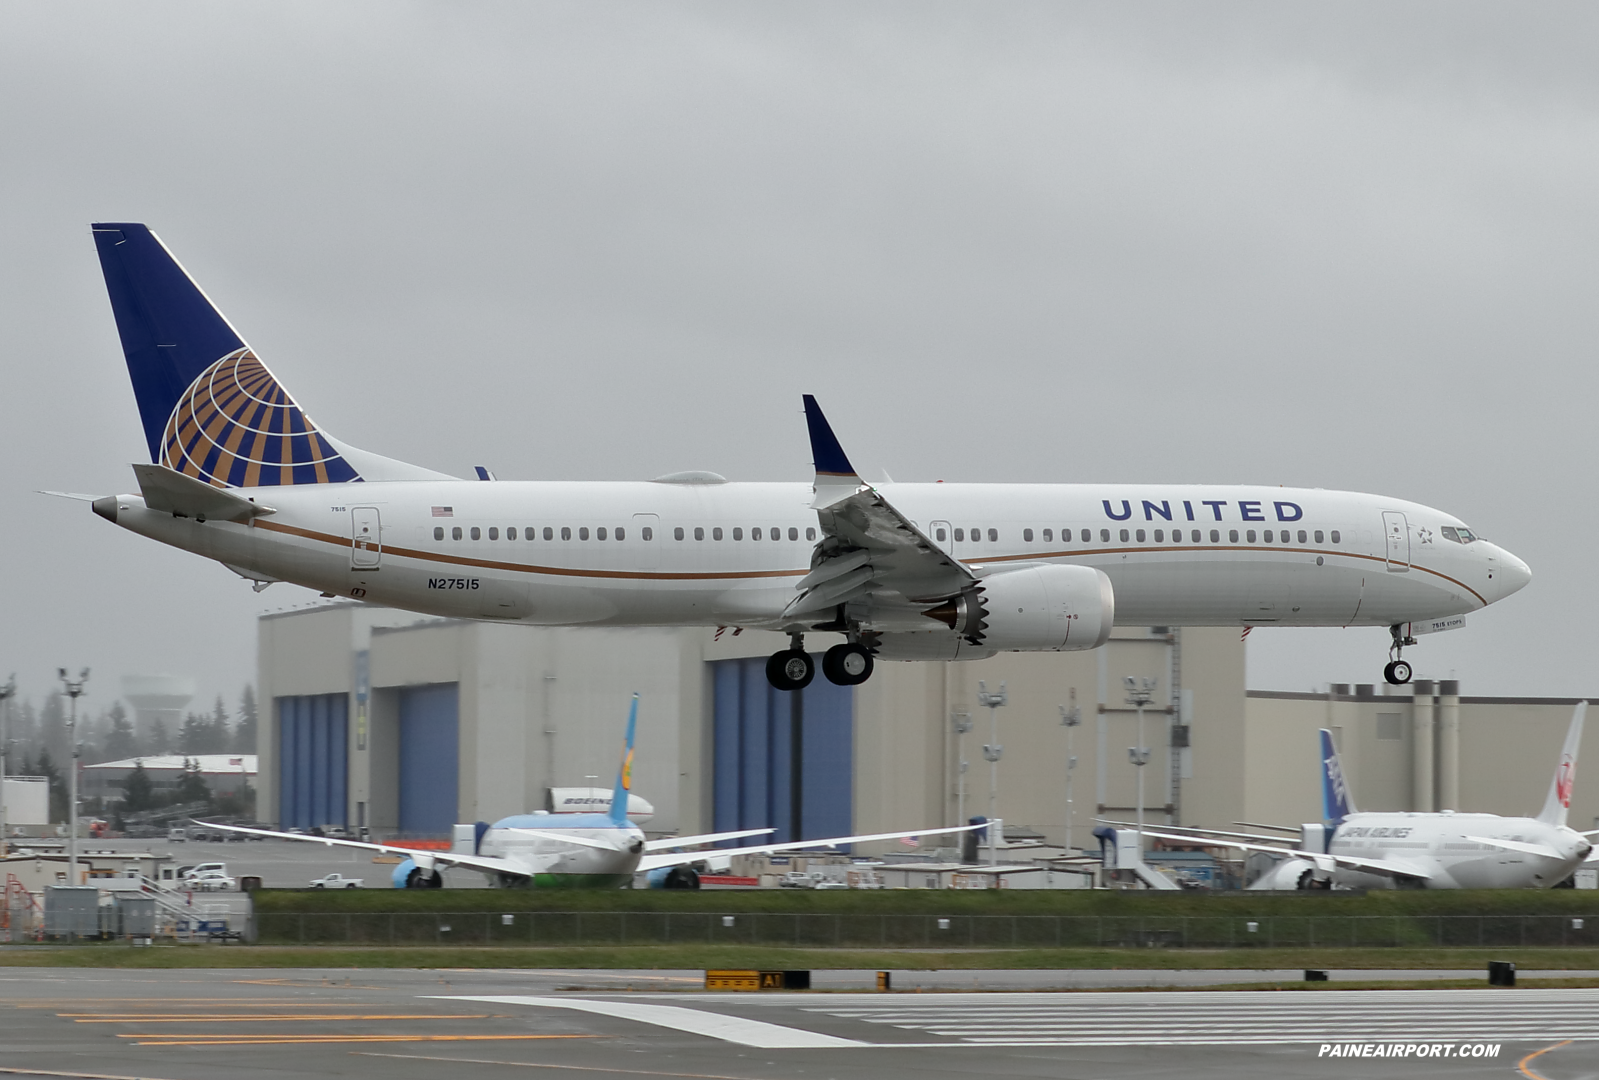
(557,571)
(560,571)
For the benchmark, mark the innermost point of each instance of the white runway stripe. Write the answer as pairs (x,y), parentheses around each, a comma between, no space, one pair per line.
(733,1029)
(1247,1018)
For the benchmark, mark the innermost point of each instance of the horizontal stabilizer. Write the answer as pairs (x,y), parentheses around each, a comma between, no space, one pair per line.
(170,492)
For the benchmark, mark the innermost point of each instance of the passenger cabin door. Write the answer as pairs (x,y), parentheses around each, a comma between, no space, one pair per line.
(1397,531)
(366,539)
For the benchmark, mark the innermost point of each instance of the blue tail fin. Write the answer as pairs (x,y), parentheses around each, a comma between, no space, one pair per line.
(624,775)
(1335,801)
(211,410)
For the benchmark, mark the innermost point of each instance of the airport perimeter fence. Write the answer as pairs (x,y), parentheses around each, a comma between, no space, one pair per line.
(542,928)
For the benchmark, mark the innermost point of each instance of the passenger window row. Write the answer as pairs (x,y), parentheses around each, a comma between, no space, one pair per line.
(716,533)
(1195,536)
(531,533)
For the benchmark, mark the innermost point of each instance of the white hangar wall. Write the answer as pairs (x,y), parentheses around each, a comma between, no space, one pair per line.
(526,708)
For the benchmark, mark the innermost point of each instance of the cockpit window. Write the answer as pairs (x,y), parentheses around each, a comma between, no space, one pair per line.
(1459,534)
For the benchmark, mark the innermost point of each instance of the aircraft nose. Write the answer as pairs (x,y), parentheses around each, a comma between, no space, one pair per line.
(1513,574)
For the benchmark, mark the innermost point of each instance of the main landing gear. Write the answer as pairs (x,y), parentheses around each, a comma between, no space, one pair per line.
(849,664)
(1397,671)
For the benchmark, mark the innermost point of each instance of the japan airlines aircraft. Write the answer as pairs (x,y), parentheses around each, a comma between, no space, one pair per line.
(595,851)
(240,474)
(1446,850)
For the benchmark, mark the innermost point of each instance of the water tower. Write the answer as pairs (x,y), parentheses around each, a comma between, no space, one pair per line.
(156,697)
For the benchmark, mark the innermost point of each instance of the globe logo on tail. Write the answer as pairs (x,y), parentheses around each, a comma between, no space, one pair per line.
(237,427)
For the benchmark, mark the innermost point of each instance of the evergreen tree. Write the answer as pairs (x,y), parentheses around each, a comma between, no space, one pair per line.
(119,740)
(244,731)
(53,728)
(192,787)
(220,737)
(160,740)
(46,767)
(138,793)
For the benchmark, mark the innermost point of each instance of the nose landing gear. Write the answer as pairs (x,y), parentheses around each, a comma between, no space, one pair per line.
(1397,671)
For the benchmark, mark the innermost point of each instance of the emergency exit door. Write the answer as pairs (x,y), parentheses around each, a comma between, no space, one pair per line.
(366,538)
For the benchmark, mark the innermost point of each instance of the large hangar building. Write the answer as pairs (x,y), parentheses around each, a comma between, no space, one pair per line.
(405,725)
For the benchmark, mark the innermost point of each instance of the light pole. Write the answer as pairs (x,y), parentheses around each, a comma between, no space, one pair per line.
(7,692)
(1139,693)
(992,751)
(962,720)
(74,690)
(1070,718)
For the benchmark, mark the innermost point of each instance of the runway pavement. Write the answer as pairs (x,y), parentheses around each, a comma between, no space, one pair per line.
(410,1025)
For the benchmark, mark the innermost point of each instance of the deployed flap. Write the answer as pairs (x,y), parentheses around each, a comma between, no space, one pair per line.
(867,545)
(173,493)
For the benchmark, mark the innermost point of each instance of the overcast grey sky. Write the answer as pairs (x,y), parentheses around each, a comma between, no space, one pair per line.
(1343,246)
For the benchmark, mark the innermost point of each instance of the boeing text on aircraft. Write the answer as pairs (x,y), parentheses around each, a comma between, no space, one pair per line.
(239,473)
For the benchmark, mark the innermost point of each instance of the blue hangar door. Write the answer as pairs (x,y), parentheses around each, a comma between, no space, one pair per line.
(781,760)
(313,760)
(430,755)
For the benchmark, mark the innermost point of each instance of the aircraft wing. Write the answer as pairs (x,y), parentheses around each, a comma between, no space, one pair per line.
(867,545)
(678,858)
(1379,867)
(424,859)
(1518,845)
(667,843)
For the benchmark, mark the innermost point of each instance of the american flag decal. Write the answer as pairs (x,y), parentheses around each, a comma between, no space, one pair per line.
(444,511)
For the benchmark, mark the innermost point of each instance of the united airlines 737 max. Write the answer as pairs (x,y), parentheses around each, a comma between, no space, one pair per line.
(240,474)
(1444,850)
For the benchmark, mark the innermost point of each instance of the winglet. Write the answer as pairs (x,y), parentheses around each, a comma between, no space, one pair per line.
(624,774)
(829,455)
(1558,803)
(836,478)
(1335,800)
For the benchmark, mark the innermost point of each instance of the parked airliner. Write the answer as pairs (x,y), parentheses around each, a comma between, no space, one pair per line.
(240,474)
(596,851)
(1444,850)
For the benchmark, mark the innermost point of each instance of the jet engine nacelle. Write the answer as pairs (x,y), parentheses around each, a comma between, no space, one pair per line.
(408,875)
(673,877)
(1038,609)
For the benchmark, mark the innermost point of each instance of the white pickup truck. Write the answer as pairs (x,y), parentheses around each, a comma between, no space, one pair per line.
(336,881)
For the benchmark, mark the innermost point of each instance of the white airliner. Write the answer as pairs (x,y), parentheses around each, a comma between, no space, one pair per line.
(1445,850)
(598,851)
(241,475)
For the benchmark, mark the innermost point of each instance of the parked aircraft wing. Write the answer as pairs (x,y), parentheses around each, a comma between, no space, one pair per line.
(667,843)
(424,859)
(678,858)
(1366,866)
(866,543)
(1518,845)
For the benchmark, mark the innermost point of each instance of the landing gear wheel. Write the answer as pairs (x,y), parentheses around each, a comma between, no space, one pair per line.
(1397,672)
(847,665)
(791,669)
